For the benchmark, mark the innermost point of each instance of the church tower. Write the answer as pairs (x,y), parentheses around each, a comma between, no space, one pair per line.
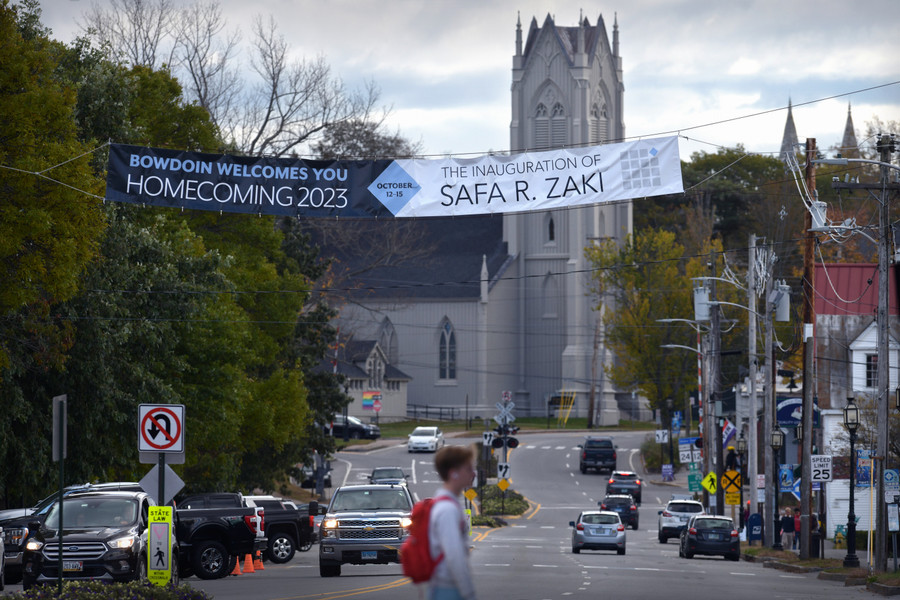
(567,91)
(789,140)
(849,146)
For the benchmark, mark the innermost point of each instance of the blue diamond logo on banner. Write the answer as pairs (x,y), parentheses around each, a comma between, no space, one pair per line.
(394,188)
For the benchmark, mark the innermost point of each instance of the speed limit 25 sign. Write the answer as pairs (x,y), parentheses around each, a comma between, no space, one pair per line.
(821,468)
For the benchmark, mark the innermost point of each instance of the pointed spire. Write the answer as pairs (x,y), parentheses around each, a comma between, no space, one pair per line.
(789,140)
(849,146)
(519,34)
(615,49)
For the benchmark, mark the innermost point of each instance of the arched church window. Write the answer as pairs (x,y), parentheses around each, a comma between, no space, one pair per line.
(388,341)
(550,297)
(559,135)
(541,127)
(447,351)
(549,229)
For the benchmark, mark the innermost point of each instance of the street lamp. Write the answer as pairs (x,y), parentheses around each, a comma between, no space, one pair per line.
(851,422)
(777,443)
(742,449)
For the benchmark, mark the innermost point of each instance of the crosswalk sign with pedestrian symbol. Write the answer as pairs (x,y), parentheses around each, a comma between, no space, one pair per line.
(709,482)
(159,552)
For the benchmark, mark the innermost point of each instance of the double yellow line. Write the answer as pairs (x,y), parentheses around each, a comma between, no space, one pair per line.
(353,592)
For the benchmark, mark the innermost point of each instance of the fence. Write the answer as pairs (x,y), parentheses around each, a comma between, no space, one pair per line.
(433,413)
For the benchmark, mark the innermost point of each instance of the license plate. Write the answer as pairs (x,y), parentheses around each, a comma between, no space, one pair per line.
(683,519)
(715,536)
(370,555)
(70,566)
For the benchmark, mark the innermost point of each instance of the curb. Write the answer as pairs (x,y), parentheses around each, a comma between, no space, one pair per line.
(782,566)
(883,590)
(756,559)
(826,576)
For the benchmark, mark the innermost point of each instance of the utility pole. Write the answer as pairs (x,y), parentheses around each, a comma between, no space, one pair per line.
(806,422)
(769,411)
(753,460)
(886,146)
(714,364)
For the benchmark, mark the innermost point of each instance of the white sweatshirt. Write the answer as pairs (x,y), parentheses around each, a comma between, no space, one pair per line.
(448,534)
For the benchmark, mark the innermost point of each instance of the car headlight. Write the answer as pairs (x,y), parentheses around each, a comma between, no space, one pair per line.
(34,545)
(405,522)
(122,543)
(16,536)
(330,523)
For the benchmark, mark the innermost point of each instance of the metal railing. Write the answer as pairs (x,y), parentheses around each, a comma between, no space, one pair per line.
(433,413)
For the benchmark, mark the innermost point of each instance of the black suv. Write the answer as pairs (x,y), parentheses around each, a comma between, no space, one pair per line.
(623,504)
(105,539)
(356,429)
(625,482)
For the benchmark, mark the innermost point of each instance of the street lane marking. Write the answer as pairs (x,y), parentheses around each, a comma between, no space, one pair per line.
(536,509)
(496,565)
(747,574)
(535,547)
(548,526)
(545,447)
(577,482)
(792,576)
(352,592)
(413,469)
(546,566)
(646,569)
(530,446)
(568,467)
(563,448)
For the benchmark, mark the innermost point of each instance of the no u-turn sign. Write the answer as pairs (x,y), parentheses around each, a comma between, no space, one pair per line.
(161,428)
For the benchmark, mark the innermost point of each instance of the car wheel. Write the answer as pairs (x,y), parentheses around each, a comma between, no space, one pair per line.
(576,550)
(620,551)
(140,573)
(281,548)
(662,538)
(210,560)
(583,470)
(733,557)
(176,579)
(304,547)
(329,570)
(635,526)
(2,579)
(688,554)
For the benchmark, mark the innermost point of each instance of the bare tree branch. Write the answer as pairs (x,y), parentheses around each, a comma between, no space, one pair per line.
(137,30)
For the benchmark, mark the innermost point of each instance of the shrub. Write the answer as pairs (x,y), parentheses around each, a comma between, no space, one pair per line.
(493,503)
(98,590)
(650,454)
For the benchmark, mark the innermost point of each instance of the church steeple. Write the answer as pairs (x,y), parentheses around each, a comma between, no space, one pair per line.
(849,146)
(519,35)
(789,140)
(615,48)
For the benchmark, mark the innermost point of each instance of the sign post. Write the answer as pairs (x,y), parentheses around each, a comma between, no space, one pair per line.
(60,405)
(159,552)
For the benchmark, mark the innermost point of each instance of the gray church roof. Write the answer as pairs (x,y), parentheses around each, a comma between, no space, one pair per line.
(568,36)
(449,269)
(789,140)
(849,145)
(349,357)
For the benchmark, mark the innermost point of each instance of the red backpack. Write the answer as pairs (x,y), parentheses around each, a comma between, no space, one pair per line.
(415,553)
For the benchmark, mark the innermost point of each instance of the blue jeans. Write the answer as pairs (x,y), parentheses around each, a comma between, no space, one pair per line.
(442,593)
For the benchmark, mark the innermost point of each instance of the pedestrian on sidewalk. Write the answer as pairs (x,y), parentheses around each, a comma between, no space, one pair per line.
(796,545)
(448,527)
(787,529)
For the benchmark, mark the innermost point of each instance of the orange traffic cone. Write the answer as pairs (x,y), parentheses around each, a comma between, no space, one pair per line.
(258,563)
(248,565)
(237,568)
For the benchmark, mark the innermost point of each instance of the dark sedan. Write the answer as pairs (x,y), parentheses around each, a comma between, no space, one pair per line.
(625,482)
(624,505)
(710,536)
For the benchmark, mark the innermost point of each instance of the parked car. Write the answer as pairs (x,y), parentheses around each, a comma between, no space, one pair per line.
(711,536)
(364,524)
(425,438)
(625,482)
(16,529)
(318,517)
(356,429)
(598,530)
(625,506)
(597,453)
(287,529)
(215,531)
(105,538)
(388,475)
(675,516)
(309,476)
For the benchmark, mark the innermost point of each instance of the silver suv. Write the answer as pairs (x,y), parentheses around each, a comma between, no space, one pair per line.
(364,524)
(675,516)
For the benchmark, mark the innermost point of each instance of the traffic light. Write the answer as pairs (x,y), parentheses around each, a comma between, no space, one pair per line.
(497,442)
(512,443)
(698,443)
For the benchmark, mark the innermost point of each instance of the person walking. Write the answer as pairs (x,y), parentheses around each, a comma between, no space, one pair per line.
(448,526)
(796,529)
(787,529)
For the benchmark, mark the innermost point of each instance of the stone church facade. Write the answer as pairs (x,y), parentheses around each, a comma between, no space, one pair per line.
(503,302)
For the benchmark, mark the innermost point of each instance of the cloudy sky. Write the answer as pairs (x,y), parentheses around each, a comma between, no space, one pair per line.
(444,65)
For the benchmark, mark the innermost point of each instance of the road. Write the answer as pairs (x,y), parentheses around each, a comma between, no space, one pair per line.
(531,559)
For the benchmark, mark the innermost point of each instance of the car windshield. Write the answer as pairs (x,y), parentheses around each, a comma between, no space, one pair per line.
(598,444)
(600,519)
(713,524)
(354,421)
(390,473)
(424,432)
(388,499)
(617,501)
(94,512)
(684,507)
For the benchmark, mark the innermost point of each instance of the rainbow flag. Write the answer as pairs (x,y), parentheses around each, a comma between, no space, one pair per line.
(369,398)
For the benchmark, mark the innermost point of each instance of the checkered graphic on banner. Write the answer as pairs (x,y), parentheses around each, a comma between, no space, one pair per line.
(640,168)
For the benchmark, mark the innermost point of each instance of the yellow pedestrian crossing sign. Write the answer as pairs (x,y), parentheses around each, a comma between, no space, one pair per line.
(159,553)
(709,482)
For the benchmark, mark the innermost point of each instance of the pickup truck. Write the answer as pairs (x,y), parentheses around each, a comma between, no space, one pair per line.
(105,539)
(213,535)
(364,524)
(287,529)
(598,454)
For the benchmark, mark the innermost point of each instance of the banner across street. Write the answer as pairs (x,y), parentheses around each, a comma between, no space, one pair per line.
(394,188)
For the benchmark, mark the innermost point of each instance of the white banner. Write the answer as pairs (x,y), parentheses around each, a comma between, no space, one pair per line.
(541,180)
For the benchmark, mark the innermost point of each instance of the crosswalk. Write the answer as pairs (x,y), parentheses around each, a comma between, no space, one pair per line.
(569,448)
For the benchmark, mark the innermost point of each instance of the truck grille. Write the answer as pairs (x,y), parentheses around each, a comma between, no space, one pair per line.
(369,522)
(363,529)
(376,534)
(76,551)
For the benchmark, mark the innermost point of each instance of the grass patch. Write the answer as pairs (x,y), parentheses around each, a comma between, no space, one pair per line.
(89,590)
(886,579)
(484,521)
(493,502)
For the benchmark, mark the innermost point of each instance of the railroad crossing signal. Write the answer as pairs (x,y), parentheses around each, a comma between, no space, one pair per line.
(709,482)
(731,482)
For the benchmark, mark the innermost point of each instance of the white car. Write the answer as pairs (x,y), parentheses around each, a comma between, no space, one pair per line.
(425,438)
(675,516)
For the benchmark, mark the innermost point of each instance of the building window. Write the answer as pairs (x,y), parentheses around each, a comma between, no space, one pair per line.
(551,229)
(447,352)
(871,370)
(558,131)
(550,297)
(541,128)
(599,124)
